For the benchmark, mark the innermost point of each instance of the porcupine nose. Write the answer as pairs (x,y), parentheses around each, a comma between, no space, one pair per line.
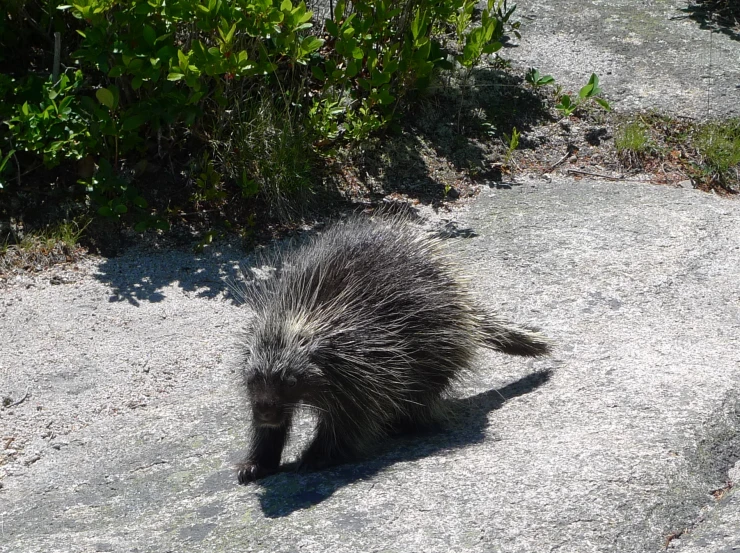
(267,413)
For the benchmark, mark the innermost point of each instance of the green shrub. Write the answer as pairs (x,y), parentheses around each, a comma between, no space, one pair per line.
(56,127)
(253,88)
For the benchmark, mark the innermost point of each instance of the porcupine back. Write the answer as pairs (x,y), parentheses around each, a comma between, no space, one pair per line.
(379,308)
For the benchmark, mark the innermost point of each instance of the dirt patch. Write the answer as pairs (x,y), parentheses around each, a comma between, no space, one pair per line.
(458,141)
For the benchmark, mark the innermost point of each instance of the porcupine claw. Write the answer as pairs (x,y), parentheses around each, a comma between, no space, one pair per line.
(250,472)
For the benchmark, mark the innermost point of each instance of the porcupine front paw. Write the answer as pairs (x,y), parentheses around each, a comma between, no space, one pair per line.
(249,472)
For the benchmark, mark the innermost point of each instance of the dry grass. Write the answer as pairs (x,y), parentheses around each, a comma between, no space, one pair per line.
(36,251)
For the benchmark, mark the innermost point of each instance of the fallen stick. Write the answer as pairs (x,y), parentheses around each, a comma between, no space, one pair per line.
(571,150)
(25,396)
(600,175)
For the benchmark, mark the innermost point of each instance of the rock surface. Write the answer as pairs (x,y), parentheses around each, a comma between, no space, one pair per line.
(652,54)
(123,416)
(134,418)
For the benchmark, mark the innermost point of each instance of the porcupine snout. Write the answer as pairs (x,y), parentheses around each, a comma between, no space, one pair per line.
(268,413)
(269,409)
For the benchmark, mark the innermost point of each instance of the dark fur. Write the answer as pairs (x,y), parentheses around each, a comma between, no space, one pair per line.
(367,326)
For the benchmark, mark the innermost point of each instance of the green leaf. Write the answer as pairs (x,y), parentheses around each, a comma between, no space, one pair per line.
(193,82)
(115,71)
(592,88)
(105,97)
(230,35)
(249,187)
(4,162)
(357,53)
(603,103)
(141,226)
(140,202)
(149,35)
(351,69)
(318,73)
(418,24)
(566,105)
(175,76)
(195,97)
(378,78)
(286,6)
(136,65)
(64,104)
(585,92)
(422,54)
(182,58)
(311,44)
(136,82)
(134,121)
(339,10)
(105,211)
(120,209)
(386,97)
(492,47)
(166,52)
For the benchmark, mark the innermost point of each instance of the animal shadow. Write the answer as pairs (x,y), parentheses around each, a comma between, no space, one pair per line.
(288,491)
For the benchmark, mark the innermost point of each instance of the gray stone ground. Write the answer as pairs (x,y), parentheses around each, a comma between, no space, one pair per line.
(718,530)
(132,419)
(647,53)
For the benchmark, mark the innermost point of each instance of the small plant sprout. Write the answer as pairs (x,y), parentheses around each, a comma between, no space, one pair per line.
(590,91)
(511,142)
(534,78)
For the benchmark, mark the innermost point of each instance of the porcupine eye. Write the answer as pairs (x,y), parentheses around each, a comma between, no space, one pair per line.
(290,381)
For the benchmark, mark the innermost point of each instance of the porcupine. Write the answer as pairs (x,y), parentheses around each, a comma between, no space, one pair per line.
(367,326)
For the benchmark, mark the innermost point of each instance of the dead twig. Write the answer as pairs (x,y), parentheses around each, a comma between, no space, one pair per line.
(571,150)
(24,398)
(590,174)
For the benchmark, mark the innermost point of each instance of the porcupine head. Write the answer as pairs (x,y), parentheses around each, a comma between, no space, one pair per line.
(280,370)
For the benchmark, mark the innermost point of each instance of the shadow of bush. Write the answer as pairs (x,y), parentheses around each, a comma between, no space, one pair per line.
(722,16)
(461,124)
